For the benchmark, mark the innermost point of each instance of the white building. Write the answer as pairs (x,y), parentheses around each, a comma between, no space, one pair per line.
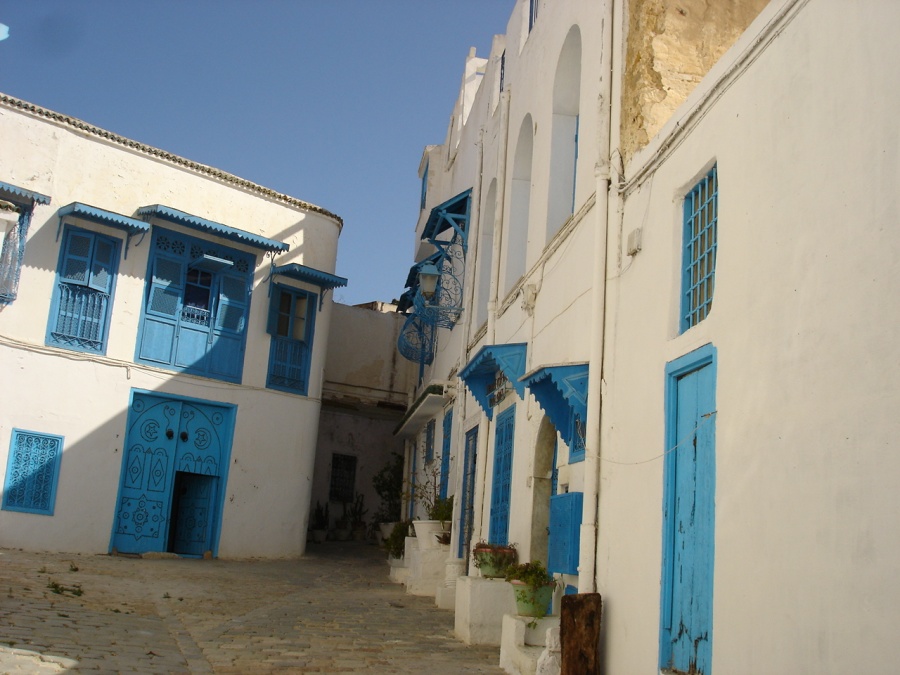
(665,249)
(163,330)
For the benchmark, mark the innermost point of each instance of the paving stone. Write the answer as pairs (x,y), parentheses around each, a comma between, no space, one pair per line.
(333,611)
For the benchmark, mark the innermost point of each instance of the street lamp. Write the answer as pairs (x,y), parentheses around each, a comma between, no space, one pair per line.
(428,278)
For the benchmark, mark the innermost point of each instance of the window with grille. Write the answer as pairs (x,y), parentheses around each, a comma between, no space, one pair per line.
(699,266)
(195,308)
(343,478)
(428,450)
(82,296)
(32,472)
(291,325)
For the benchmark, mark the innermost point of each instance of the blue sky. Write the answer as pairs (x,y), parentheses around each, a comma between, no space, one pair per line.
(330,101)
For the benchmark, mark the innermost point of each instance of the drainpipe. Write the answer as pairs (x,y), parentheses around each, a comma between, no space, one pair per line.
(493,304)
(604,250)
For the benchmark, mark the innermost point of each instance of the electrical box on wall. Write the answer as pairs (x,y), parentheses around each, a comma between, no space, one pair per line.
(634,241)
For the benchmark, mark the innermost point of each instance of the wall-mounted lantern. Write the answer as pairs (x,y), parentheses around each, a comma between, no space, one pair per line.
(428,278)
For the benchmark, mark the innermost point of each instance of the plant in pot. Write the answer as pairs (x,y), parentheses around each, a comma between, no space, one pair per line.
(388,485)
(439,509)
(442,512)
(533,586)
(356,514)
(342,525)
(319,526)
(396,541)
(494,559)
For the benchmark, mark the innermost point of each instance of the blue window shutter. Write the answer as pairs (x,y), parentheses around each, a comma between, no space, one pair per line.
(429,441)
(82,297)
(290,350)
(274,304)
(445,453)
(501,490)
(565,526)
(166,286)
(32,472)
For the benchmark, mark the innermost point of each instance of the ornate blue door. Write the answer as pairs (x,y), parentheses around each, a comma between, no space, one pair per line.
(501,490)
(168,496)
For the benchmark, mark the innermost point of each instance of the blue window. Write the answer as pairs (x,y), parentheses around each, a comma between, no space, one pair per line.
(82,297)
(467,503)
(689,471)
(429,441)
(701,208)
(195,307)
(501,490)
(32,472)
(445,453)
(292,316)
(16,212)
(532,13)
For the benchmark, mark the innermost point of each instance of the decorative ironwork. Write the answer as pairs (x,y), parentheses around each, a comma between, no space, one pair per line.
(445,307)
(416,342)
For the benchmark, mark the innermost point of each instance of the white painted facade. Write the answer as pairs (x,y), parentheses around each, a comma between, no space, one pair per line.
(799,118)
(85,397)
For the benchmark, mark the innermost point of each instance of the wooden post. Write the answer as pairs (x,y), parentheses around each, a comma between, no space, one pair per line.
(579,633)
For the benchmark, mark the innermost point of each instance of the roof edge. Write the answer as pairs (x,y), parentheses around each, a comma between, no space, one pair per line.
(212,172)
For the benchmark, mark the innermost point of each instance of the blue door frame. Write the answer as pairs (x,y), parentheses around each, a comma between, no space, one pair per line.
(689,514)
(467,503)
(501,490)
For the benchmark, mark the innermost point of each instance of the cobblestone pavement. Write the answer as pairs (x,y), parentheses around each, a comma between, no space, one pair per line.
(333,611)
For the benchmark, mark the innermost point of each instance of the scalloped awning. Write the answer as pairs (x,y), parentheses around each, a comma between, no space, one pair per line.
(481,370)
(310,275)
(104,217)
(14,191)
(561,390)
(197,223)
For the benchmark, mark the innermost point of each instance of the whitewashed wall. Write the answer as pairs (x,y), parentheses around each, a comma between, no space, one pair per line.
(806,549)
(85,398)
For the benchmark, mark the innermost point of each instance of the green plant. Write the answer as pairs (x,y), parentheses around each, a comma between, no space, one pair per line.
(442,509)
(357,511)
(388,484)
(532,573)
(396,541)
(494,559)
(320,517)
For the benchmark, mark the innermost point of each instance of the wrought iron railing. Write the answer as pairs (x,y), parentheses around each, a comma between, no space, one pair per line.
(416,341)
(289,367)
(81,317)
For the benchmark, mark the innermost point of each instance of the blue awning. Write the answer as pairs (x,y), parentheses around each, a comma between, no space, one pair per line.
(197,223)
(16,192)
(109,218)
(310,275)
(480,373)
(452,213)
(562,392)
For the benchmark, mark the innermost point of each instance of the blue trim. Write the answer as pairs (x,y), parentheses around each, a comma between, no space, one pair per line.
(453,213)
(562,392)
(704,476)
(447,428)
(310,275)
(103,217)
(8,190)
(210,226)
(22,489)
(481,369)
(698,267)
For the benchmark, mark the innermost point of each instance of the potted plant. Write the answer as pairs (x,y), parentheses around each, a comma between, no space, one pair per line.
(494,559)
(439,509)
(357,517)
(319,526)
(533,586)
(388,485)
(396,541)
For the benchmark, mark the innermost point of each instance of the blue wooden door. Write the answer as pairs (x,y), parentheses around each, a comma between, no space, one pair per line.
(502,483)
(467,503)
(169,492)
(686,635)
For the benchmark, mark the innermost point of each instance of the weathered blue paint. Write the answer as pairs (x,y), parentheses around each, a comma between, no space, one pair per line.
(445,452)
(467,501)
(565,532)
(501,486)
(689,513)
(173,444)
